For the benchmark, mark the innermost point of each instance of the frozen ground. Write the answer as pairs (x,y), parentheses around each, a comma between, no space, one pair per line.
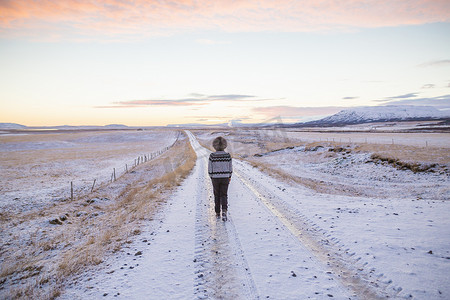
(352,172)
(419,139)
(282,241)
(48,162)
(356,134)
(43,244)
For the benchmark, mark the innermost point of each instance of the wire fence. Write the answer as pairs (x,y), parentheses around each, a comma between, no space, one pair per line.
(88,186)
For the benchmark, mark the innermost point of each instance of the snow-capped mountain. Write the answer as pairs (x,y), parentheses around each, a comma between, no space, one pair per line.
(367,114)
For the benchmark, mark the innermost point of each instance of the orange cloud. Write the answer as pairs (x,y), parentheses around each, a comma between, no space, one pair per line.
(118,18)
(194,100)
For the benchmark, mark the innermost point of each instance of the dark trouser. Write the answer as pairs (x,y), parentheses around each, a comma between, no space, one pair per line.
(220,186)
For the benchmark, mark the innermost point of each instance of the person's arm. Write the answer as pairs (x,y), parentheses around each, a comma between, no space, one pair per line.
(231,167)
(210,167)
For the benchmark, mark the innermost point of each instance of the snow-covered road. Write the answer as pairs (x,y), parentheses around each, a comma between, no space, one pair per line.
(268,248)
(254,254)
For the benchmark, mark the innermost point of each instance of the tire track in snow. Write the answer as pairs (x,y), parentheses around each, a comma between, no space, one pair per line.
(266,263)
(362,284)
(200,259)
(221,269)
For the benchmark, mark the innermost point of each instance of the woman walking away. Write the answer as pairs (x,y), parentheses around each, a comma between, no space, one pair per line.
(220,170)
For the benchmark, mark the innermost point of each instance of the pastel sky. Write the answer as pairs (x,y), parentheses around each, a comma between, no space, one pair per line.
(143,63)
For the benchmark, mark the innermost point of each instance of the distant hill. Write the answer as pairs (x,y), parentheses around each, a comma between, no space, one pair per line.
(369,114)
(196,125)
(116,126)
(87,127)
(12,126)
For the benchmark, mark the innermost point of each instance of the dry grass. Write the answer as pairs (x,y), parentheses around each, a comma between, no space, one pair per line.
(246,143)
(252,147)
(250,153)
(401,165)
(56,254)
(411,154)
(319,186)
(72,156)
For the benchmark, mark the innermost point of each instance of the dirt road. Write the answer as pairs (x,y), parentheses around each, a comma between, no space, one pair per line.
(267,249)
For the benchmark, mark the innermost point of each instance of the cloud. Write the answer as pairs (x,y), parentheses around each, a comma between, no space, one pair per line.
(404,96)
(212,42)
(436,63)
(71,19)
(350,98)
(221,118)
(140,103)
(231,97)
(195,99)
(439,101)
(428,86)
(297,112)
(195,95)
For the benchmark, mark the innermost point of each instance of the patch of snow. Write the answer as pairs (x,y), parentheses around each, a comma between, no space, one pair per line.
(360,174)
(400,243)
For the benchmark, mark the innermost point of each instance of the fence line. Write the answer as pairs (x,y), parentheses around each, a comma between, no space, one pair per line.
(143,158)
(361,140)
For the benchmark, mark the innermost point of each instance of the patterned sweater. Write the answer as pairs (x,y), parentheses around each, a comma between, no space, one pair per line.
(219,165)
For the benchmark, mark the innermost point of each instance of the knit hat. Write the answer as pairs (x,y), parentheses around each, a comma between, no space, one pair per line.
(219,143)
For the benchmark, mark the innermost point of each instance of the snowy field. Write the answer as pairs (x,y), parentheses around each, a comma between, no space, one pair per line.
(292,233)
(418,139)
(46,237)
(37,168)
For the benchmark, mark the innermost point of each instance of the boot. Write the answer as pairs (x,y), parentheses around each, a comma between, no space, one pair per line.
(224,215)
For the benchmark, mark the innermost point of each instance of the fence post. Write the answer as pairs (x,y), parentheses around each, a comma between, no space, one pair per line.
(71,190)
(92,189)
(126,168)
(114,172)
